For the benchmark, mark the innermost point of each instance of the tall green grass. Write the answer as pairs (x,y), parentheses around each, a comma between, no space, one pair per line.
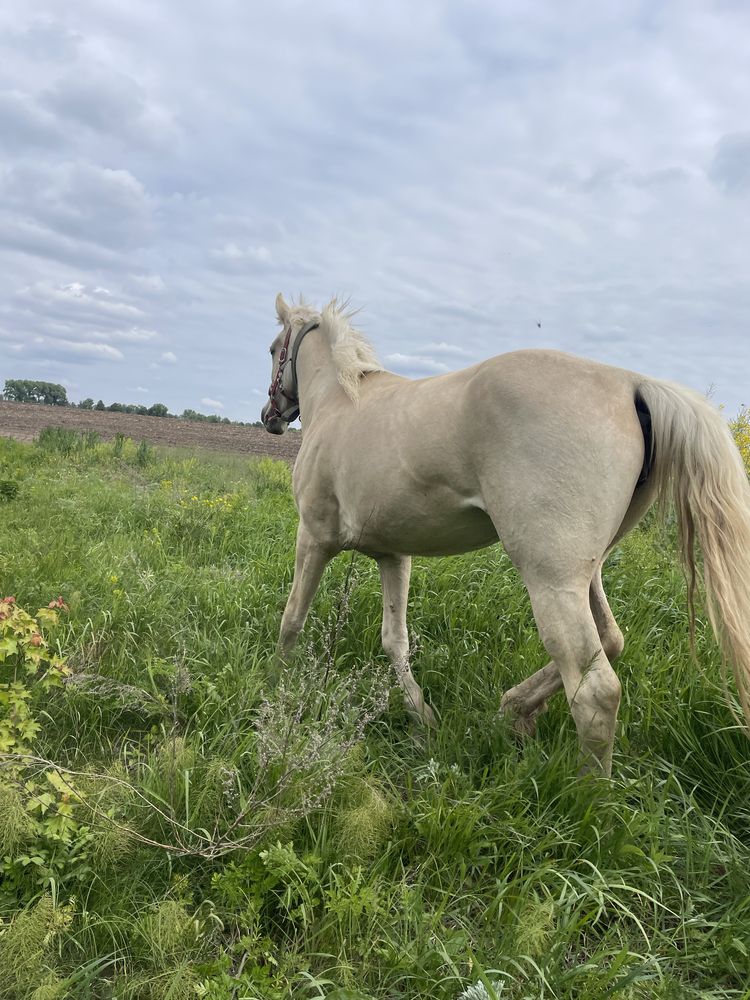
(392,863)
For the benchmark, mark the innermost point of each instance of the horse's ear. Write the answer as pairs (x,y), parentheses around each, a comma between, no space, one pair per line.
(282,309)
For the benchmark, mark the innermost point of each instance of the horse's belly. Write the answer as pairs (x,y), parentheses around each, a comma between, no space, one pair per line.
(424,531)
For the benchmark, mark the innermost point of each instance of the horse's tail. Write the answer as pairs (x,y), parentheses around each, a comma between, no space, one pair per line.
(696,460)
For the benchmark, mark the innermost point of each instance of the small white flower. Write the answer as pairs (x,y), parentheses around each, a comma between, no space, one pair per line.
(478,991)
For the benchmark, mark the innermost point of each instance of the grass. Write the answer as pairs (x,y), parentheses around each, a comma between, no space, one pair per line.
(370,861)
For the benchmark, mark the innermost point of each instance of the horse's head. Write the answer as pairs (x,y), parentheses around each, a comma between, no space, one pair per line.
(283,402)
(348,352)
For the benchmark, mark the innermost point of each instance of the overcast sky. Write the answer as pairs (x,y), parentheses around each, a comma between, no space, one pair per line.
(464,171)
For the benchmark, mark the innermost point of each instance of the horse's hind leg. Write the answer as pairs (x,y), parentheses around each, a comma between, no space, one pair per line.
(527,700)
(570,634)
(607,627)
(394,577)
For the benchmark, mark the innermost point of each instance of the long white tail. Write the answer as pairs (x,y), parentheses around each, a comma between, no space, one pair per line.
(695,455)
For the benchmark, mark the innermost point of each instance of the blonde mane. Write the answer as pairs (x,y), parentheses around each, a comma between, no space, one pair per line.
(353,354)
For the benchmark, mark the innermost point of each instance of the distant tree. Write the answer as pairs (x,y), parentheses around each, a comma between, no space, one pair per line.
(100,405)
(116,408)
(158,410)
(86,404)
(16,391)
(54,394)
(207,418)
(34,391)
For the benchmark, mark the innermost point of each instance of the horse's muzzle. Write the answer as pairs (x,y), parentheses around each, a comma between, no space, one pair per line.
(273,424)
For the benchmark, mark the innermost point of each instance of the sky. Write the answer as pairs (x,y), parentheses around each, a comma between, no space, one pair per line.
(477,176)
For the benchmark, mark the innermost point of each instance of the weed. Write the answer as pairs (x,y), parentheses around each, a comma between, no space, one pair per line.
(8,489)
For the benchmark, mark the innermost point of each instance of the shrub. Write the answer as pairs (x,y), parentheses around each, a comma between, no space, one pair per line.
(144,454)
(66,441)
(35,804)
(25,659)
(27,947)
(8,489)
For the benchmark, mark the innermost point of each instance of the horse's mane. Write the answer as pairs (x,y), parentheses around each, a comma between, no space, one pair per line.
(353,354)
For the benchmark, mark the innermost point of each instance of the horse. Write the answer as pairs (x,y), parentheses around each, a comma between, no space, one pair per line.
(554,456)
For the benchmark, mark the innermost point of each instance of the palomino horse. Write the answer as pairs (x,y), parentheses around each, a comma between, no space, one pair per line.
(555,456)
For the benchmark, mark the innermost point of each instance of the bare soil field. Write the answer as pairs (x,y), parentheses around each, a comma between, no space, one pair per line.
(24,421)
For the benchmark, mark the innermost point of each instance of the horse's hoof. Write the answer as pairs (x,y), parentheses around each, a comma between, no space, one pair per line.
(522,723)
(423,716)
(429,718)
(525,726)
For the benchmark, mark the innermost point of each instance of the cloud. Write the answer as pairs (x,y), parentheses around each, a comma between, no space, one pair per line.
(73,351)
(213,403)
(113,103)
(514,165)
(76,299)
(232,257)
(75,311)
(24,125)
(135,335)
(75,210)
(730,168)
(26,236)
(416,363)
(447,349)
(150,284)
(45,39)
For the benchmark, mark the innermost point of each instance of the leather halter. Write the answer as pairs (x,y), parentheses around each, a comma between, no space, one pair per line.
(292,395)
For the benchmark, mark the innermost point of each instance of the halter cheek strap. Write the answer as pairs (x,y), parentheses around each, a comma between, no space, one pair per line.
(291,394)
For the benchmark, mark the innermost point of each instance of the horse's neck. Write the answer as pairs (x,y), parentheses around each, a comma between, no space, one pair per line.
(317,379)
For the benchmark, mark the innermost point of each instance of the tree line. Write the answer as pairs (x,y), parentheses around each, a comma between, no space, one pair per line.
(52,394)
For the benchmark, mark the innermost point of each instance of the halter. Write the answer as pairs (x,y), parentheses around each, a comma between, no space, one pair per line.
(284,356)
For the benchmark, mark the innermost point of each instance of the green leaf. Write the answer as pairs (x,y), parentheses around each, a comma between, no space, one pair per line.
(8,646)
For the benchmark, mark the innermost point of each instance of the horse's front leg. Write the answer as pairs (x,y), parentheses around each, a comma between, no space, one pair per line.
(394,577)
(310,561)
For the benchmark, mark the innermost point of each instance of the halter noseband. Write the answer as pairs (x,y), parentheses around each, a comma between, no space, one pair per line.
(284,357)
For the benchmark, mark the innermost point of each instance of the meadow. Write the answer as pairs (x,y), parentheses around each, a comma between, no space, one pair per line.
(181,819)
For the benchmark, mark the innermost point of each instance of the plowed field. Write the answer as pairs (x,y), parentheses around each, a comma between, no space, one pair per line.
(24,421)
